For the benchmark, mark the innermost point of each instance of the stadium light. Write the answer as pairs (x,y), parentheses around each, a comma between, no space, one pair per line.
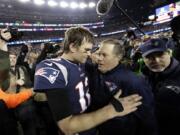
(92,4)
(39,2)
(52,3)
(82,5)
(152,17)
(64,4)
(73,5)
(24,1)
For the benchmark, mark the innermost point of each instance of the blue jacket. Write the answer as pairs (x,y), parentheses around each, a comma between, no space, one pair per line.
(166,89)
(104,86)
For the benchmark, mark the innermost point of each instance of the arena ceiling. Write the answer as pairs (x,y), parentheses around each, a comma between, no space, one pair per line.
(13,10)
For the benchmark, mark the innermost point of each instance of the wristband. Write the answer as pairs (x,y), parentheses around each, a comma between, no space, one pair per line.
(117,105)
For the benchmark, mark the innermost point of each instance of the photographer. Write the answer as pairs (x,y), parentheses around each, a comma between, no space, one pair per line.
(8,123)
(50,50)
(23,108)
(24,65)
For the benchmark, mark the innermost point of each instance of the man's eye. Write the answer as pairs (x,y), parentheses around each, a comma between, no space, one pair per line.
(104,55)
(87,50)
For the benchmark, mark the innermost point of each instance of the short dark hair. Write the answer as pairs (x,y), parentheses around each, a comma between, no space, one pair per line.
(76,35)
(118,46)
(13,53)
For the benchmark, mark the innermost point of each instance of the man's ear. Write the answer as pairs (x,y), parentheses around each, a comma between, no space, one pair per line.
(72,48)
(120,57)
(170,52)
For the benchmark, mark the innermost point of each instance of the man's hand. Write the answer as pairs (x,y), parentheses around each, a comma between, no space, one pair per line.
(29,89)
(129,103)
(6,36)
(20,82)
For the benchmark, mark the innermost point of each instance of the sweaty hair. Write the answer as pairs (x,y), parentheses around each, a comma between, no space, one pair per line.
(118,46)
(13,53)
(77,35)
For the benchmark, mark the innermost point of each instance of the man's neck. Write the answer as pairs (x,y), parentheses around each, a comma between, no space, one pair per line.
(70,58)
(67,56)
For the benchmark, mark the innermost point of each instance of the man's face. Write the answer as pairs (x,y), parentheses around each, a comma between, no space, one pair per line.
(107,59)
(83,52)
(157,61)
(13,59)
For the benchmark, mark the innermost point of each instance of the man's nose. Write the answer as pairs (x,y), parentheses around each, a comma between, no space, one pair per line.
(100,58)
(88,53)
(157,59)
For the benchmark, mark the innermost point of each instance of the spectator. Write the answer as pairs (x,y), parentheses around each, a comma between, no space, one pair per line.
(8,123)
(163,72)
(4,75)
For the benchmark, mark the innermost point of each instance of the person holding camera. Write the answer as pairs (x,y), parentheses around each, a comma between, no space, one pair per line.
(8,101)
(14,95)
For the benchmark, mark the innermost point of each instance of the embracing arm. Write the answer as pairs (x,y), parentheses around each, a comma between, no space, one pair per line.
(72,124)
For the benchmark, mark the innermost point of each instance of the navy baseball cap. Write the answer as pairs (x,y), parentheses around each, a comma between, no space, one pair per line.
(153,45)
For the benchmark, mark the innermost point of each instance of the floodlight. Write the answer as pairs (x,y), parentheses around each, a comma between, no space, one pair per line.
(24,1)
(73,5)
(52,3)
(39,2)
(82,5)
(151,17)
(64,4)
(92,4)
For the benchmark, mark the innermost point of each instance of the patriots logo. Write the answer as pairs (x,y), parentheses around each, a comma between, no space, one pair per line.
(176,89)
(49,73)
(112,86)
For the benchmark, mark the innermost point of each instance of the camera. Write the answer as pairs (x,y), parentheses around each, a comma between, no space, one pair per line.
(52,47)
(15,34)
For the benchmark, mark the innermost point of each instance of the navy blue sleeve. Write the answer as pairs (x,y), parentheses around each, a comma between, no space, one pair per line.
(146,112)
(48,76)
(50,80)
(59,103)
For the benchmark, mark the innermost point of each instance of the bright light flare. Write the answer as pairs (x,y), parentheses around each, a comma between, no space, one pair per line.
(73,5)
(39,2)
(24,1)
(82,5)
(52,3)
(64,4)
(92,4)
